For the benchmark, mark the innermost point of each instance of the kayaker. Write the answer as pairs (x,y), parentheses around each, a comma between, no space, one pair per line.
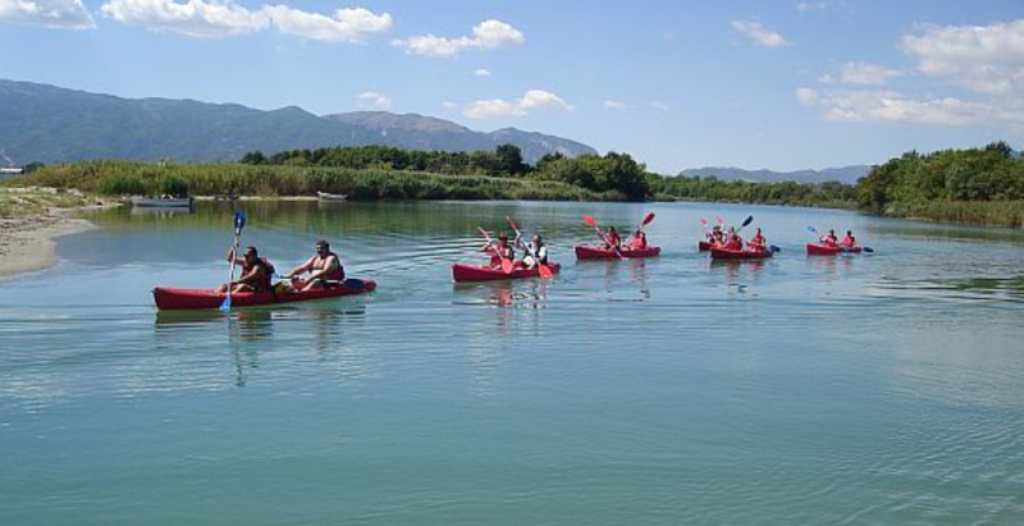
(324,268)
(735,242)
(535,252)
(612,239)
(638,241)
(830,239)
(758,243)
(256,273)
(499,250)
(716,237)
(848,241)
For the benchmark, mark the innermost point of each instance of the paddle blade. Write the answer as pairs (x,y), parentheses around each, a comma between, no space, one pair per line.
(648,219)
(239,221)
(748,220)
(226,306)
(869,250)
(590,220)
(812,230)
(704,222)
(507,266)
(774,249)
(354,284)
(545,271)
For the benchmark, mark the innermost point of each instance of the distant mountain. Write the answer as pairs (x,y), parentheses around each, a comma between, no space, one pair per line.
(846,174)
(42,123)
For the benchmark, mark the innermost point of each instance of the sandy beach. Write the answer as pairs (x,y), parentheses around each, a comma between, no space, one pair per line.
(31,220)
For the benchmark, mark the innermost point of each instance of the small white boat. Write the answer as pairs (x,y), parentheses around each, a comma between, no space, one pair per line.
(162,202)
(324,196)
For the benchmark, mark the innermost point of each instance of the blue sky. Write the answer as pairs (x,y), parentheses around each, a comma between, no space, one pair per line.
(781,85)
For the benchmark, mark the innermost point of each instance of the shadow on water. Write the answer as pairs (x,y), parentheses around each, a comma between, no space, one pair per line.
(529,293)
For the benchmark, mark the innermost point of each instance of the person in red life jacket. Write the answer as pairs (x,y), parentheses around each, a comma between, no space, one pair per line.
(256,273)
(848,241)
(638,241)
(324,268)
(716,237)
(830,239)
(612,239)
(735,242)
(758,243)
(499,250)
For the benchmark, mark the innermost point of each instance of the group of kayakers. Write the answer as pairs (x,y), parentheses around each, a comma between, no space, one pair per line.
(612,240)
(324,269)
(830,240)
(731,240)
(534,253)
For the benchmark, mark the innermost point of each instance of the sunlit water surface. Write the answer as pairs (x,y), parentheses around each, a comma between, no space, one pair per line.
(877,389)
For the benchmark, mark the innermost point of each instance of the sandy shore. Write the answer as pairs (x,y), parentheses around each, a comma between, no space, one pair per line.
(28,233)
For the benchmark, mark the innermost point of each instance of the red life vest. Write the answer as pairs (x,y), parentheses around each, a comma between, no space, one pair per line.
(265,282)
(320,263)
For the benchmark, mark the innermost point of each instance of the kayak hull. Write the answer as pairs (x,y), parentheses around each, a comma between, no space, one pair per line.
(196,299)
(703,246)
(464,273)
(816,249)
(590,252)
(725,253)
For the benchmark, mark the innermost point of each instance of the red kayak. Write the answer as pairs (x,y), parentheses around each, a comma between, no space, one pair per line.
(726,253)
(817,249)
(178,299)
(590,252)
(462,272)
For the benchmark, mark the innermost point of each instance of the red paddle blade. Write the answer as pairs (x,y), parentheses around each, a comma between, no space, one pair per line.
(590,220)
(545,271)
(648,219)
(704,222)
(506,265)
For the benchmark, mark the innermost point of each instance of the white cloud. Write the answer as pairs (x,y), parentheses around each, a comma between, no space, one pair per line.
(196,18)
(347,25)
(224,18)
(449,105)
(759,34)
(985,59)
(811,6)
(868,74)
(54,14)
(807,96)
(372,99)
(661,106)
(616,105)
(482,73)
(489,34)
(531,100)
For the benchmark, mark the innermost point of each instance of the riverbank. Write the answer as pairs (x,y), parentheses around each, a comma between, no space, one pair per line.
(31,219)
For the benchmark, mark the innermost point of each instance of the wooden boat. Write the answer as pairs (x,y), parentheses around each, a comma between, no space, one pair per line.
(324,196)
(162,202)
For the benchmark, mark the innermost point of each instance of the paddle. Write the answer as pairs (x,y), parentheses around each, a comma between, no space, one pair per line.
(239,225)
(506,264)
(747,221)
(590,221)
(542,268)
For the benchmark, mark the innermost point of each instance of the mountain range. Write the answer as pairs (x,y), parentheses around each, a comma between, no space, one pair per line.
(48,124)
(846,174)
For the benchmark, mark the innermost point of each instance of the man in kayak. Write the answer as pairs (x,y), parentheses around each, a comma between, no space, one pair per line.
(758,243)
(830,239)
(735,242)
(500,250)
(848,241)
(716,237)
(612,240)
(324,268)
(256,273)
(535,252)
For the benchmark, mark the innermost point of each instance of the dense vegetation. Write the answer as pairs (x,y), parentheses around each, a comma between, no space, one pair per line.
(980,185)
(832,194)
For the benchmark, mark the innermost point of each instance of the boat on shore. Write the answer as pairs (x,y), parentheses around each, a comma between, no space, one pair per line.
(324,196)
(162,202)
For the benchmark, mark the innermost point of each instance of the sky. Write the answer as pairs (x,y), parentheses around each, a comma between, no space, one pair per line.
(758,84)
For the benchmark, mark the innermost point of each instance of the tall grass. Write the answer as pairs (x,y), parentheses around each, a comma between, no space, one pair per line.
(994,213)
(134,178)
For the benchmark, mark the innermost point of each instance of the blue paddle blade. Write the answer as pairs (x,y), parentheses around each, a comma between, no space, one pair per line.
(355,284)
(812,230)
(239,221)
(869,250)
(774,249)
(226,306)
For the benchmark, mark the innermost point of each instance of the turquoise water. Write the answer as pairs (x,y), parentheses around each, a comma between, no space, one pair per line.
(877,389)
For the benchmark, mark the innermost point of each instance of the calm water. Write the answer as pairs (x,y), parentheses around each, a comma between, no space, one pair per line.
(885,389)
